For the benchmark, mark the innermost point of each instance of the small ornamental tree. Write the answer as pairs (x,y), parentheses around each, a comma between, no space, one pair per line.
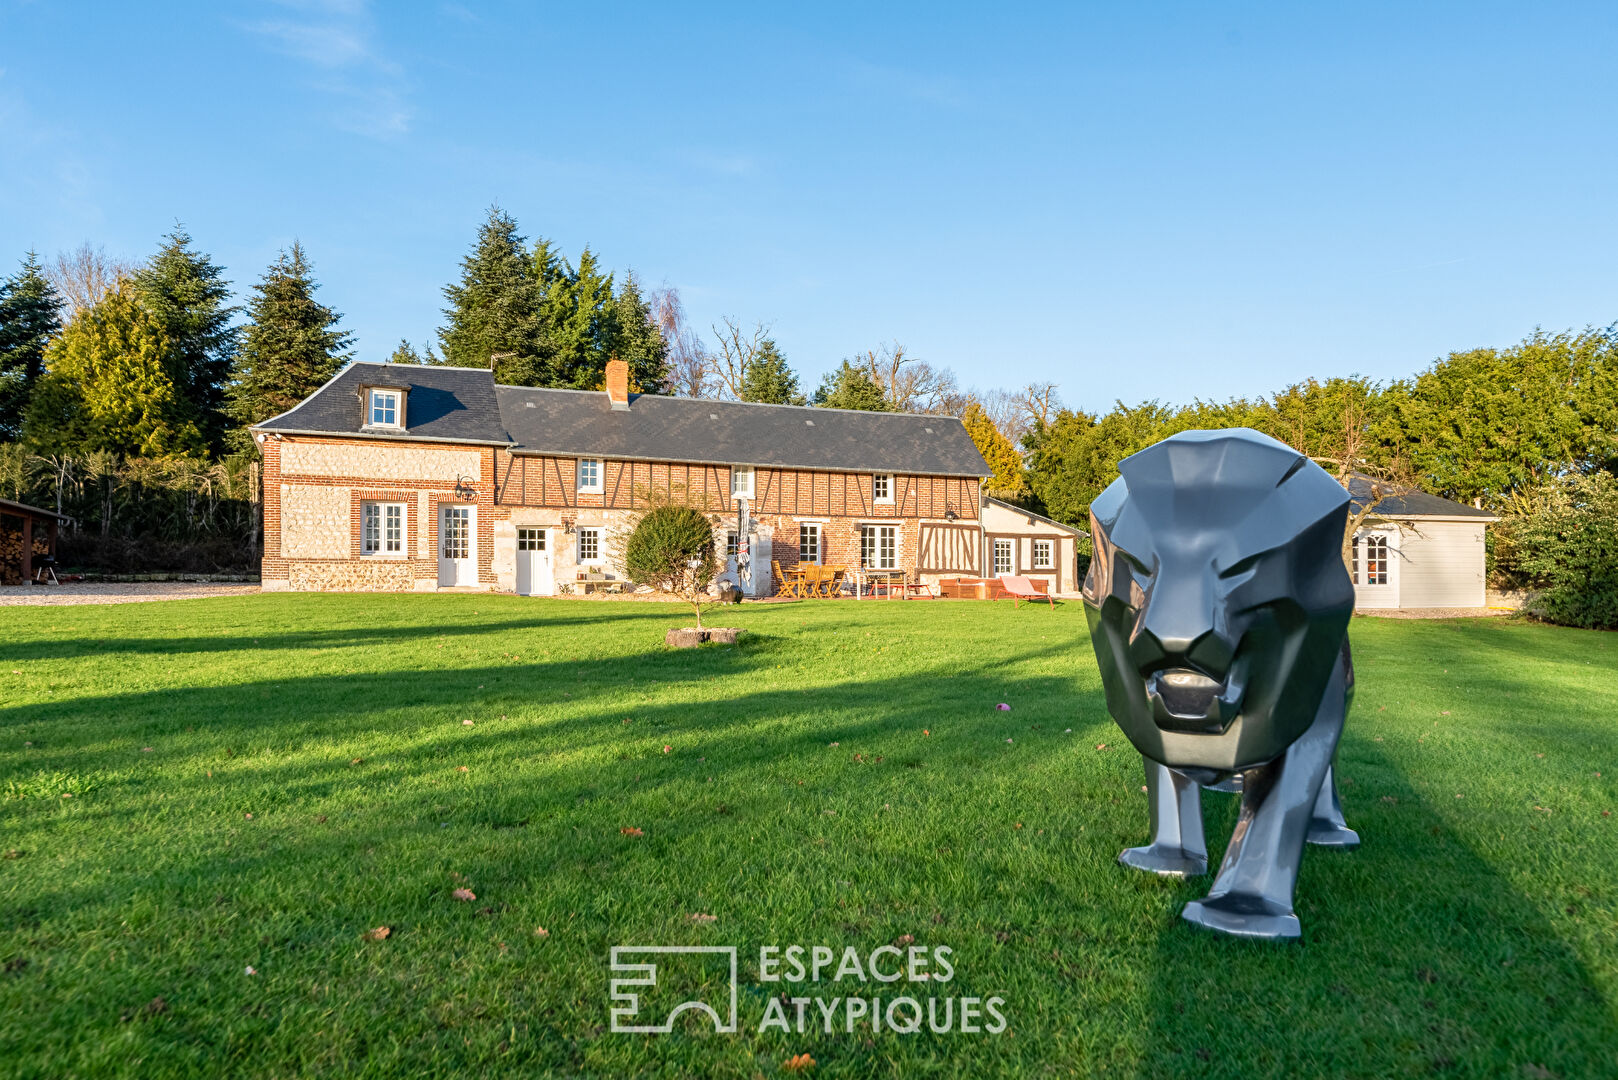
(671,549)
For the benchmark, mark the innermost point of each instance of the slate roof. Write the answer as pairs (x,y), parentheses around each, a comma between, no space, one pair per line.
(464,404)
(1413,503)
(444,403)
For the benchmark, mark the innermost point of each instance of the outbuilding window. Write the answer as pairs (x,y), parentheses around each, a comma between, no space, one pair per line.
(1376,560)
(1003,562)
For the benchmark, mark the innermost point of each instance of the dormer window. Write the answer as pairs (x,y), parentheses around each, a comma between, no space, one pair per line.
(384,408)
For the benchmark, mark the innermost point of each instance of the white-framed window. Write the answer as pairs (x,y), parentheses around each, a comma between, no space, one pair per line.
(384,409)
(809,542)
(455,532)
(382,528)
(882,487)
(1044,557)
(731,544)
(1375,560)
(741,481)
(589,544)
(1004,562)
(530,539)
(589,474)
(879,547)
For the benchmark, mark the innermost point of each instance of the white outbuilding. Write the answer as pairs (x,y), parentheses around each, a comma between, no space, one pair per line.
(1418,551)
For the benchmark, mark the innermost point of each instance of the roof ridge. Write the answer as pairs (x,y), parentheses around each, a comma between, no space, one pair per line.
(719,401)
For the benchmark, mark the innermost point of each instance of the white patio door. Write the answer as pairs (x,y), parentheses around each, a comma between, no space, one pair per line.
(536,574)
(457,546)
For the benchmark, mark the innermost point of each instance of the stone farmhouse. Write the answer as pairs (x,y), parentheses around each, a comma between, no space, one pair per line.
(400,477)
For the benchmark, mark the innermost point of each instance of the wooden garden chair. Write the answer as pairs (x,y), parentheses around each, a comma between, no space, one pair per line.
(791,581)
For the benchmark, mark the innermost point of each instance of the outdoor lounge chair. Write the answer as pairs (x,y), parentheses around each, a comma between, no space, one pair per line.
(1021,588)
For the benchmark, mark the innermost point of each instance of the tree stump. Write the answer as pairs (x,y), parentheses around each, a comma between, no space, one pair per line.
(684,638)
(725,635)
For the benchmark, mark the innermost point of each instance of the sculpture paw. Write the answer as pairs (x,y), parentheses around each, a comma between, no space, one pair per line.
(1168,861)
(1243,916)
(1325,833)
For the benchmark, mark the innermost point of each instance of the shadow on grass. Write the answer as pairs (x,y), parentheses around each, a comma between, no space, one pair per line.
(1418,958)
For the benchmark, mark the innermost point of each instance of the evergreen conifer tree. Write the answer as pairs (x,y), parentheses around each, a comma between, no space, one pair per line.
(851,387)
(112,383)
(494,309)
(579,334)
(187,292)
(292,345)
(632,335)
(30,315)
(769,379)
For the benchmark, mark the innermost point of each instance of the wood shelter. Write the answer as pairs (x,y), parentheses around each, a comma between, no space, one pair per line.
(26,534)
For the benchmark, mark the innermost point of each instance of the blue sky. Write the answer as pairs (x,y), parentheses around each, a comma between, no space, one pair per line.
(1133,200)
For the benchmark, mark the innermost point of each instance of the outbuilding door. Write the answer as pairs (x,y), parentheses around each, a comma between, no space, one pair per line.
(535,572)
(457,546)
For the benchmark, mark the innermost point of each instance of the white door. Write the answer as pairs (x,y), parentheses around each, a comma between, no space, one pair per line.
(535,572)
(457,546)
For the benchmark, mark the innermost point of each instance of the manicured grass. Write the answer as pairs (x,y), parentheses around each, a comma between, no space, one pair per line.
(304,783)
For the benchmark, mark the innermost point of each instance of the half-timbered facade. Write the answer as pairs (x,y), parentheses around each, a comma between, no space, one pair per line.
(397,477)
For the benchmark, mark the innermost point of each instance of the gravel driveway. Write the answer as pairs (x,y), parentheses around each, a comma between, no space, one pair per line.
(108,592)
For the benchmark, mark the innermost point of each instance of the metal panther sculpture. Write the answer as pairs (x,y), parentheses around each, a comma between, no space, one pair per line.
(1218,607)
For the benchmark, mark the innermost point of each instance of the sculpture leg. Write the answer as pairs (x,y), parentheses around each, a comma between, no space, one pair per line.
(1177,848)
(1327,826)
(1252,896)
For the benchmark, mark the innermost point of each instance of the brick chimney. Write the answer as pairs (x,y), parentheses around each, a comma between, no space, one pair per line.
(618,384)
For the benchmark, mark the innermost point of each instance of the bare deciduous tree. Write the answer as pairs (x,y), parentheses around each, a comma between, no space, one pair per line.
(690,365)
(1039,402)
(738,348)
(86,274)
(908,383)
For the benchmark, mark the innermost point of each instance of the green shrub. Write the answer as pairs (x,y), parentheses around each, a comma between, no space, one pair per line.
(671,548)
(1566,551)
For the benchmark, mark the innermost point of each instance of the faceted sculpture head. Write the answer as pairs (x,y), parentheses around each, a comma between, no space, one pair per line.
(1217,597)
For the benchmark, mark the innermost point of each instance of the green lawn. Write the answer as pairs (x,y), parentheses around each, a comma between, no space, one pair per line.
(257,781)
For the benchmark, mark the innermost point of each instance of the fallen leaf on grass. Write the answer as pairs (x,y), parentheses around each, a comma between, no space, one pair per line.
(379,933)
(666,749)
(466,723)
(13,853)
(798,1063)
(1444,713)
(251,970)
(631,830)
(698,916)
(905,939)
(1101,746)
(357,761)
(540,931)
(464,894)
(1546,809)
(460,768)
(146,749)
(1390,798)
(924,731)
